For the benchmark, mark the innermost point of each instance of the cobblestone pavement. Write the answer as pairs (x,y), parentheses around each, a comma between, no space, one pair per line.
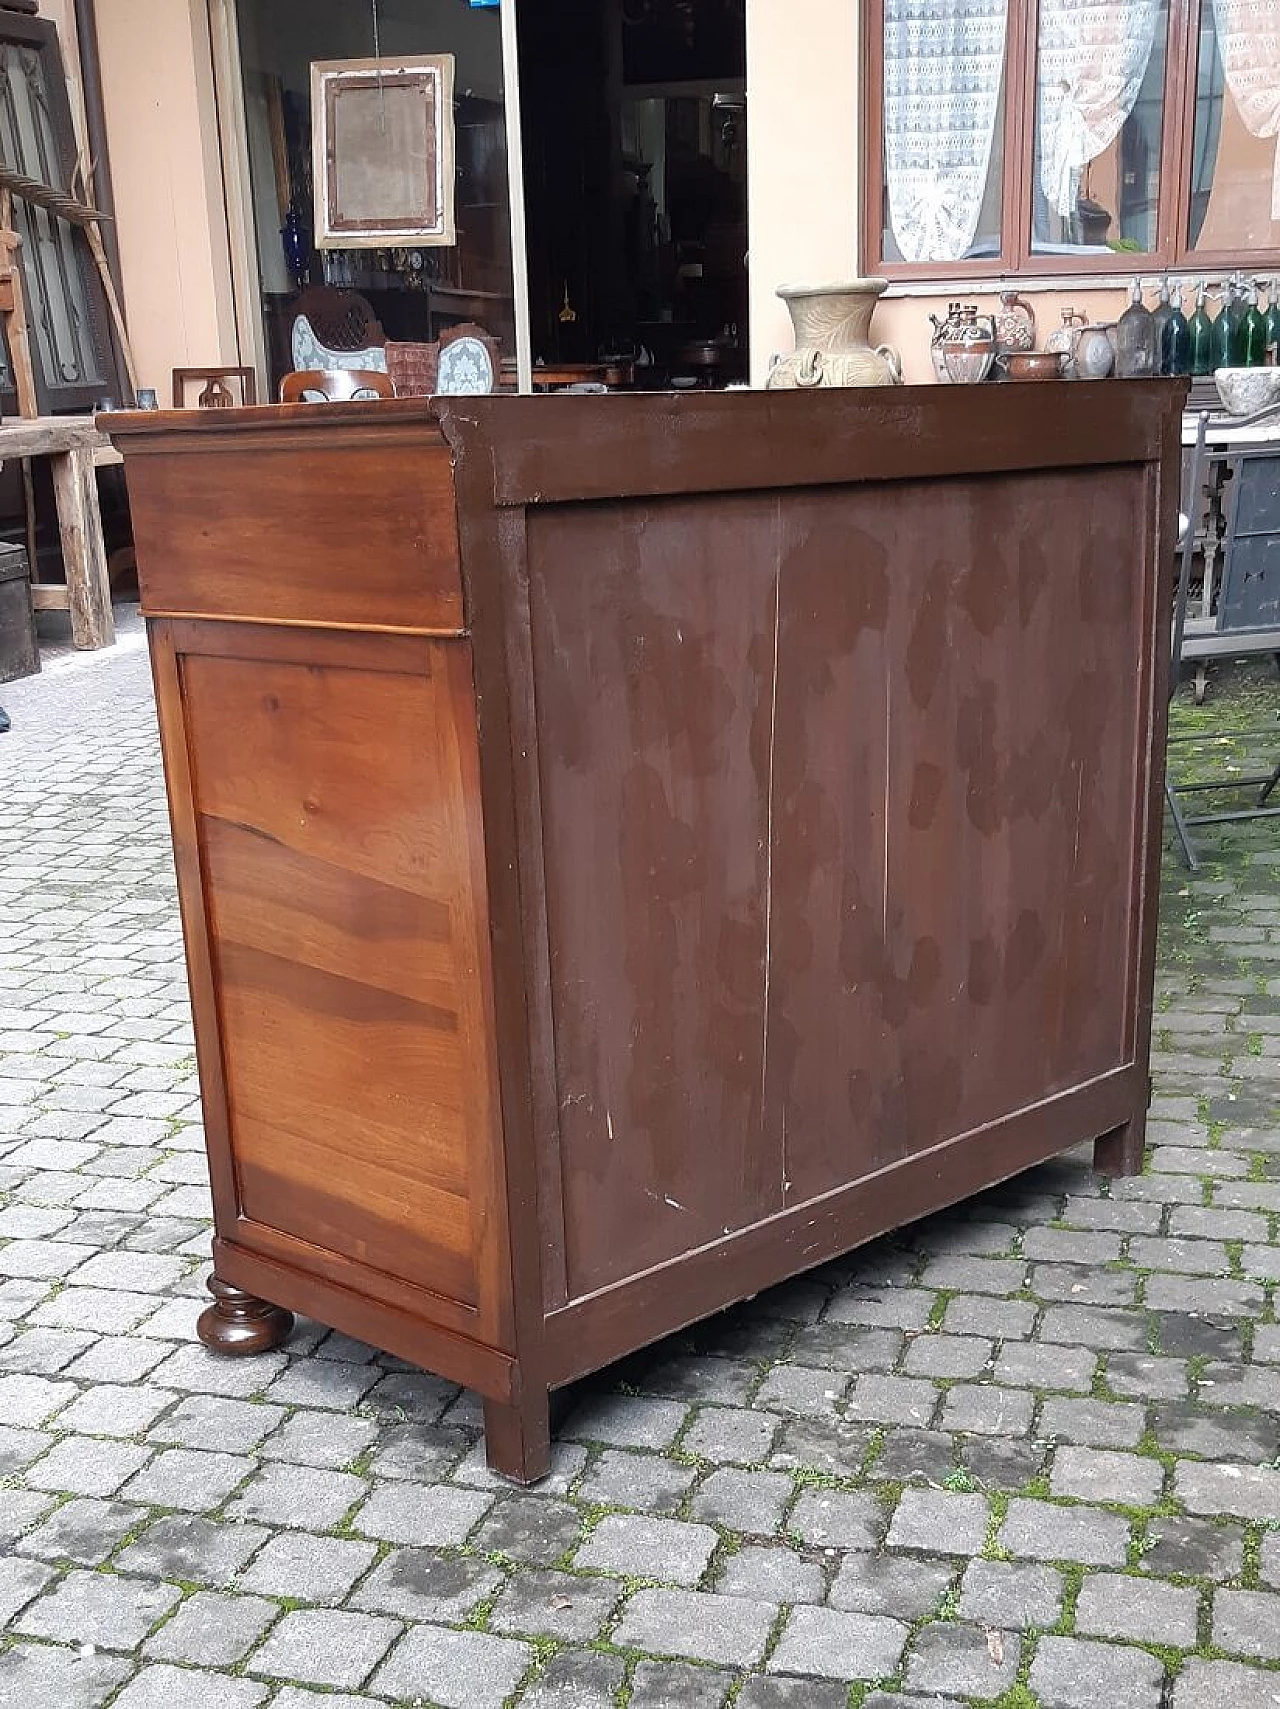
(1027,1452)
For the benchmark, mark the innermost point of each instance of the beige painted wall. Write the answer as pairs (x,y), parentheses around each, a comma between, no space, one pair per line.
(802,156)
(167,177)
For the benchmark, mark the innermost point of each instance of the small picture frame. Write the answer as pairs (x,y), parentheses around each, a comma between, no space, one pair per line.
(383,140)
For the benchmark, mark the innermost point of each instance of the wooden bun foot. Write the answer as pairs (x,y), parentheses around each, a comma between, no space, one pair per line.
(238,1323)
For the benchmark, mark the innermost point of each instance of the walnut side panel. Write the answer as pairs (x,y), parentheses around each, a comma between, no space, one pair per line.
(339,928)
(357,535)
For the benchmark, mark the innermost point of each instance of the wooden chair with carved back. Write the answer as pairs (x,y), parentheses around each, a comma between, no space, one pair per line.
(334,385)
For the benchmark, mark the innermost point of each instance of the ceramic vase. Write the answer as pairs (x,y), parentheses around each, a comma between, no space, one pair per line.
(969,353)
(1015,324)
(833,338)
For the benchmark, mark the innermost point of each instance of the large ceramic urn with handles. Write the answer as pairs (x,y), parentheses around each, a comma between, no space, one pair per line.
(833,338)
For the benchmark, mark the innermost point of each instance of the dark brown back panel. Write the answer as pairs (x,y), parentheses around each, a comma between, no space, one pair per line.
(838,864)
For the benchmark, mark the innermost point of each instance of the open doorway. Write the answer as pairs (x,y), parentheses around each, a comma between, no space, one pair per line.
(634,119)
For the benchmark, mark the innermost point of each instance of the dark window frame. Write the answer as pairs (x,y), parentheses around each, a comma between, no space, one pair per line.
(1171,252)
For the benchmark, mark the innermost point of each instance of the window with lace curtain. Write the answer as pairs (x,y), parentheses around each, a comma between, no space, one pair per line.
(1071,136)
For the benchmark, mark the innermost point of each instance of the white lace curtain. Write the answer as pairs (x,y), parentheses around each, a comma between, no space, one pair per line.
(943,71)
(1249,42)
(1092,57)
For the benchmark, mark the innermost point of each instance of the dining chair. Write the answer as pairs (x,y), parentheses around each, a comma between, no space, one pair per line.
(334,385)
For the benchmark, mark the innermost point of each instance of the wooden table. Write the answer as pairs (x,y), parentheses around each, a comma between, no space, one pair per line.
(633,849)
(75,451)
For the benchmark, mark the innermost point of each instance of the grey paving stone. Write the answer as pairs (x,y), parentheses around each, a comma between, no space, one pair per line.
(730,1436)
(18,1448)
(1042,1531)
(85,1531)
(1247,1623)
(541,1604)
(308,1569)
(1089,1326)
(750,1502)
(977,1314)
(528,1528)
(948,1356)
(1076,1673)
(1194,1548)
(417,1452)
(322,1439)
(939,1522)
(84,1465)
(915,1456)
(1042,1365)
(1224,1685)
(1147,1376)
(811,1393)
(325,1647)
(28,1401)
(837,1519)
(1184,1427)
(105,1609)
(185,1546)
(838,1449)
(706,1381)
(772,1691)
(888,1308)
(635,1546)
(576,1680)
(1247,1492)
(212,1630)
(976,1275)
(1098,1474)
(302,1496)
(21,1510)
(843,1347)
(20,1583)
(892,1400)
(457,1670)
(164,1687)
(988,1410)
(1095,1423)
(675,1685)
(1011,1594)
(952,1658)
(1116,1605)
(212,1421)
(191,1480)
(1215,1295)
(40,1676)
(427,1584)
(831,1644)
(888,1584)
(645,1481)
(627,1421)
(773,1575)
(730,1630)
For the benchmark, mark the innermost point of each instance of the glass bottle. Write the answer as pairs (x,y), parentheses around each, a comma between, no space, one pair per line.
(1224,329)
(1160,317)
(1175,349)
(1251,333)
(1200,328)
(1273,324)
(1135,343)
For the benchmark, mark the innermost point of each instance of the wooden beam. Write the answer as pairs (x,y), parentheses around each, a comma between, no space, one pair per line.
(75,488)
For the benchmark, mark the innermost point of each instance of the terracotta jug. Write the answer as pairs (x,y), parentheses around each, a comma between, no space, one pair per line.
(833,345)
